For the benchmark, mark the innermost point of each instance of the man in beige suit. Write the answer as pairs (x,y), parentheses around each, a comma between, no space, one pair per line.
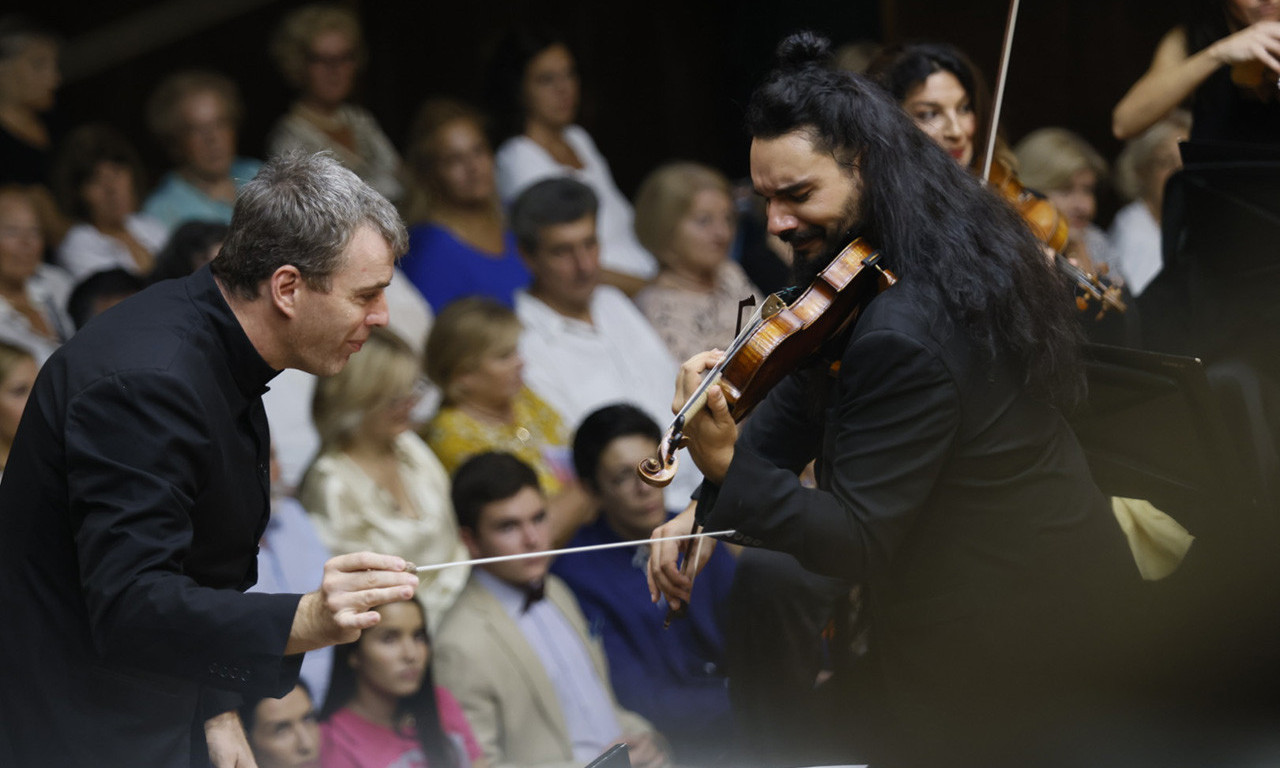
(515,649)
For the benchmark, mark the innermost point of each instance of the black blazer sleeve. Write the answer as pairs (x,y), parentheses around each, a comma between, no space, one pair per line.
(138,449)
(894,421)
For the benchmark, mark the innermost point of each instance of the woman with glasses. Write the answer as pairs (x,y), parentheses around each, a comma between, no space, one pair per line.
(375,485)
(320,50)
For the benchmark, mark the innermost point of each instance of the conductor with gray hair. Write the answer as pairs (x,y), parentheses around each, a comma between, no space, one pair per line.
(138,489)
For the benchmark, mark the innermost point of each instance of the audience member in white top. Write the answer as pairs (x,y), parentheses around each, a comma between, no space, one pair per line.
(1144,165)
(320,49)
(533,94)
(33,295)
(98,181)
(585,345)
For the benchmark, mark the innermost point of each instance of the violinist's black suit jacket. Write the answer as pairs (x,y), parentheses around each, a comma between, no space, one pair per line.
(963,506)
(130,513)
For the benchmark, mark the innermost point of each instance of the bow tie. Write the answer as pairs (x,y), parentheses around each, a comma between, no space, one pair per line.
(532,594)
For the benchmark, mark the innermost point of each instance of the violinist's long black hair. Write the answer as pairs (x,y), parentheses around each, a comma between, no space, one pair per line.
(421,704)
(934,222)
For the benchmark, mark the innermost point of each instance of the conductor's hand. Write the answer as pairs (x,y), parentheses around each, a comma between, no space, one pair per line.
(711,432)
(352,587)
(665,578)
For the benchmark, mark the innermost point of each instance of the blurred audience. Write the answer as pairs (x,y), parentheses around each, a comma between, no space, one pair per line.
(685,216)
(584,344)
(473,357)
(283,732)
(533,93)
(375,485)
(515,649)
(29,80)
(98,181)
(674,676)
(17,375)
(458,242)
(384,709)
(320,49)
(33,294)
(101,291)
(1067,170)
(1144,165)
(195,114)
(190,247)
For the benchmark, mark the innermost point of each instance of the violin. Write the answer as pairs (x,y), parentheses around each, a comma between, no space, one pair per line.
(1050,227)
(785,331)
(1041,215)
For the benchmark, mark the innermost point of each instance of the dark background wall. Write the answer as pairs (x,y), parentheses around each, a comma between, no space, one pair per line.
(661,79)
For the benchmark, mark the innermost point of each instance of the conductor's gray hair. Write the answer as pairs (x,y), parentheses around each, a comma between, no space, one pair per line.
(301,209)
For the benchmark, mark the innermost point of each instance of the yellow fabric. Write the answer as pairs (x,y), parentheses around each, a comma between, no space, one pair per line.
(456,436)
(1157,541)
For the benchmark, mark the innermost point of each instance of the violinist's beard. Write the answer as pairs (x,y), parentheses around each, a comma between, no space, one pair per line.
(805,270)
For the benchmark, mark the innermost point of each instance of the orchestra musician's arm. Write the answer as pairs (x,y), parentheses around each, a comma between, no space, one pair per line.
(1174,74)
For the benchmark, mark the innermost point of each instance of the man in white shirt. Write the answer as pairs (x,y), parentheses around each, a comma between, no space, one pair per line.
(515,648)
(585,345)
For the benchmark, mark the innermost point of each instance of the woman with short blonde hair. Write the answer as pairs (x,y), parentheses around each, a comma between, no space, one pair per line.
(473,356)
(375,485)
(685,216)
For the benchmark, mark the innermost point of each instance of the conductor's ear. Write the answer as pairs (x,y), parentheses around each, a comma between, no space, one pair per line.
(284,287)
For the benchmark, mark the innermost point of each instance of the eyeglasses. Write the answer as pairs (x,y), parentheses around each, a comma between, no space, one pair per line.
(411,398)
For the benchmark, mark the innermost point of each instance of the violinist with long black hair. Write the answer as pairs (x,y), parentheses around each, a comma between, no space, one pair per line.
(949,485)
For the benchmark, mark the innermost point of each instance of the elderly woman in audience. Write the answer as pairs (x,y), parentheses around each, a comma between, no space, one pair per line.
(459,244)
(685,217)
(33,295)
(533,92)
(98,181)
(17,375)
(1067,170)
(472,356)
(1143,167)
(375,485)
(384,708)
(195,115)
(320,49)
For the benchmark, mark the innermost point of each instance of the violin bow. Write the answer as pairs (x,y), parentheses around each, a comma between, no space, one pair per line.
(1001,78)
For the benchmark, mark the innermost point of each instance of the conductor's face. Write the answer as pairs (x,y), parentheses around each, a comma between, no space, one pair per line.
(811,200)
(332,325)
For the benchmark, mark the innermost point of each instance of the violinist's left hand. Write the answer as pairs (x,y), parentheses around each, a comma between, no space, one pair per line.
(711,432)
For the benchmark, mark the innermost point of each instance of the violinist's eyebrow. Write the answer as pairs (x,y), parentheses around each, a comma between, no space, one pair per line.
(787,190)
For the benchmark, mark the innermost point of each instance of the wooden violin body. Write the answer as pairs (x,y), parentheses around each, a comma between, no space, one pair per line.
(1049,225)
(777,341)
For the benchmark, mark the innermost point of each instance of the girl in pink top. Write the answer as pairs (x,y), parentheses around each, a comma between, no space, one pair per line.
(383,709)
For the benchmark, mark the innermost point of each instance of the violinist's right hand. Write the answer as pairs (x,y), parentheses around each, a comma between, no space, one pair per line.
(665,578)
(1256,42)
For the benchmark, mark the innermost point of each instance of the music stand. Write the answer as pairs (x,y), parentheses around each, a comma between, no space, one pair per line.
(614,757)
(1151,429)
